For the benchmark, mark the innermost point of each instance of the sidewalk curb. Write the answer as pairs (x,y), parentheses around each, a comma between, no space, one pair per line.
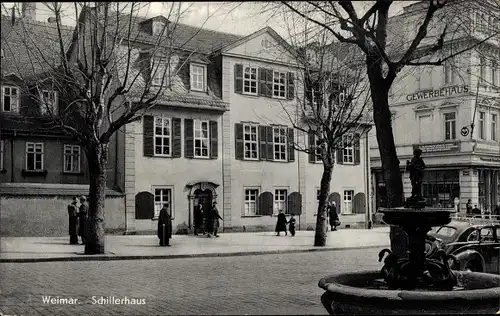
(181,256)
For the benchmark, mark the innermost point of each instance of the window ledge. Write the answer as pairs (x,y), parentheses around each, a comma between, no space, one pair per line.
(162,156)
(70,173)
(251,216)
(27,173)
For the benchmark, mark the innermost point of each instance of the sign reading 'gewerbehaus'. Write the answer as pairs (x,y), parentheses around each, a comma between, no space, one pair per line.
(437,93)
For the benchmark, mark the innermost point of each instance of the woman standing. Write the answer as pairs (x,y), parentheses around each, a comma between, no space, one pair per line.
(281,223)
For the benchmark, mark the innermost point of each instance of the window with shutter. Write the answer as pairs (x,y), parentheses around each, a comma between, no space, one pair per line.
(214,142)
(238,141)
(279,84)
(262,82)
(291,145)
(177,142)
(280,142)
(163,195)
(269,83)
(348,151)
(250,80)
(201,139)
(312,149)
(10,99)
(357,149)
(251,197)
(148,135)
(340,151)
(238,78)
(291,86)
(144,205)
(251,143)
(265,204)
(280,201)
(263,142)
(163,136)
(188,138)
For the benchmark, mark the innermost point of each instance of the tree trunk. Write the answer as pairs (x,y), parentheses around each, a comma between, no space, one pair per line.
(387,148)
(97,156)
(320,236)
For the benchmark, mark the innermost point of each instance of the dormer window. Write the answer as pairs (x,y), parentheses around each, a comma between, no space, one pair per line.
(158,27)
(158,72)
(48,102)
(10,99)
(198,77)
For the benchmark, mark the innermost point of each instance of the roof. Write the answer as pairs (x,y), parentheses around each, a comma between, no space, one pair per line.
(19,123)
(19,189)
(190,100)
(31,47)
(184,36)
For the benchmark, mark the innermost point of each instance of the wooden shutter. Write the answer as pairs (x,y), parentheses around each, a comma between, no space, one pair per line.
(148,135)
(357,152)
(291,145)
(177,137)
(262,142)
(340,151)
(294,203)
(238,78)
(266,202)
(188,138)
(262,82)
(291,86)
(359,203)
(312,148)
(269,137)
(238,141)
(144,205)
(269,83)
(214,140)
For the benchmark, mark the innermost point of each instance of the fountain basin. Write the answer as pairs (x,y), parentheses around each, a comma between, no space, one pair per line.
(357,293)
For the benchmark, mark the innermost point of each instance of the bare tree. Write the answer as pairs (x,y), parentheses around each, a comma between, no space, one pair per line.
(108,72)
(332,111)
(437,31)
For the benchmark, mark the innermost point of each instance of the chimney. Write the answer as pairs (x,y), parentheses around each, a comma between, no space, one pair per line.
(29,10)
(13,16)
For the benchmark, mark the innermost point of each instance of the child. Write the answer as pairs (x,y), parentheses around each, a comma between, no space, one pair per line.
(291,227)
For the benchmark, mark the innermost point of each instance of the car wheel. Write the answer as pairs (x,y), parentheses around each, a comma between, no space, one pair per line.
(473,266)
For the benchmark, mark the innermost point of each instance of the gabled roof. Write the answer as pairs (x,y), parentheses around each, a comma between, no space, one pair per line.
(184,36)
(264,30)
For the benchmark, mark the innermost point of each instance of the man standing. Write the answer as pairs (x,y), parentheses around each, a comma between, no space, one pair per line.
(73,220)
(215,219)
(198,218)
(164,226)
(82,218)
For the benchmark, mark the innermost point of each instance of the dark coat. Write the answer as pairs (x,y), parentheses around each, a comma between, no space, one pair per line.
(468,208)
(198,216)
(73,219)
(215,217)
(281,223)
(164,218)
(82,218)
(332,213)
(291,224)
(476,211)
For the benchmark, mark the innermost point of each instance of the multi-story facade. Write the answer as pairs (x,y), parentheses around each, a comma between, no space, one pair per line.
(434,108)
(222,132)
(41,167)
(233,143)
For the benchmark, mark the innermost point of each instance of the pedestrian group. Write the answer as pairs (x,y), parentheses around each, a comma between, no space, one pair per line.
(78,216)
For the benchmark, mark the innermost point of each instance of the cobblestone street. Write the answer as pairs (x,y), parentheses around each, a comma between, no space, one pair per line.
(263,284)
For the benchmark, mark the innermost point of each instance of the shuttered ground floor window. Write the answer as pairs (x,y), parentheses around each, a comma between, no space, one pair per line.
(280,200)
(348,198)
(251,195)
(162,196)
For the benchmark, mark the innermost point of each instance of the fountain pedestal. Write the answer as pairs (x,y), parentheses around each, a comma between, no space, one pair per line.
(405,285)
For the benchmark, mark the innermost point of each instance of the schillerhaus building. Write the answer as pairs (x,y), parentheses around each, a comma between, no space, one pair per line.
(433,108)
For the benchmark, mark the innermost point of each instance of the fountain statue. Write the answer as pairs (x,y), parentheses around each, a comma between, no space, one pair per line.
(414,284)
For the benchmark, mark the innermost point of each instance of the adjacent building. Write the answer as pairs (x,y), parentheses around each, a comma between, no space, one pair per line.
(452,113)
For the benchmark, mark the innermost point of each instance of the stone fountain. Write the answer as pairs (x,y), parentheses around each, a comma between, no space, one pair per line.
(414,284)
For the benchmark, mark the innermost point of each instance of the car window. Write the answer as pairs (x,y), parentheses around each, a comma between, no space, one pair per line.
(446,232)
(473,236)
(487,234)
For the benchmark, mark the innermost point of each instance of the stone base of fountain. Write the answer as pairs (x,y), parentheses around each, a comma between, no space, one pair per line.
(364,293)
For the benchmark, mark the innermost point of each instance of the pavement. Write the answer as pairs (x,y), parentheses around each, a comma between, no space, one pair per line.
(130,247)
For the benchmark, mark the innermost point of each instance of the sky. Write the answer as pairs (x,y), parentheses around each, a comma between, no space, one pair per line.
(242,18)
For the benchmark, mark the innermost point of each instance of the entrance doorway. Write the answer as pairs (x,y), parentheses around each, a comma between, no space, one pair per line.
(203,197)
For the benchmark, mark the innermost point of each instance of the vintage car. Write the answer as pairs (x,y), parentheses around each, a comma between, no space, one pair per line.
(476,245)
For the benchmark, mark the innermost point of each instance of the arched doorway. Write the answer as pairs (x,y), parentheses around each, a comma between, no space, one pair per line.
(203,197)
